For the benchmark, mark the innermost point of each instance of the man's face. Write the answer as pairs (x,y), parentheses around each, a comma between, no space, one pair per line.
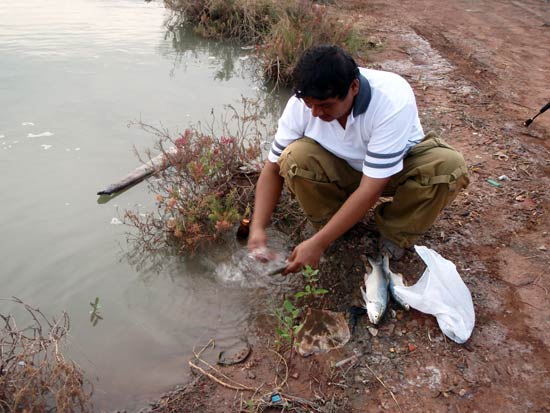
(333,108)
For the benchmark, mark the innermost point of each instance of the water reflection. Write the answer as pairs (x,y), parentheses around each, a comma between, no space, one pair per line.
(72,74)
(187,46)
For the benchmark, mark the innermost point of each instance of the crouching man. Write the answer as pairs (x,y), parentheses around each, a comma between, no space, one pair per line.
(348,136)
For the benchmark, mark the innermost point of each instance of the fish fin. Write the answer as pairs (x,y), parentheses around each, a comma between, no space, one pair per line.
(402,279)
(386,263)
(364,294)
(374,262)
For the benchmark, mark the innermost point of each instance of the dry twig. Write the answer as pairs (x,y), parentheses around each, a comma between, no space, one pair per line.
(384,385)
(34,375)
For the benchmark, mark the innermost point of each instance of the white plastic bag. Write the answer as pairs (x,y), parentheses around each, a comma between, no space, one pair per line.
(441,292)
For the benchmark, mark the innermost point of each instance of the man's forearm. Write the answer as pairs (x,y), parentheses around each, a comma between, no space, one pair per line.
(268,190)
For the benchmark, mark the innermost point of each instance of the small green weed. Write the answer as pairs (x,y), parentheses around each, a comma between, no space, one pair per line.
(289,315)
(310,288)
(95,315)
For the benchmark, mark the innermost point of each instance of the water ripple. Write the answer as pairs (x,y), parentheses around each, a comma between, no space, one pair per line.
(60,28)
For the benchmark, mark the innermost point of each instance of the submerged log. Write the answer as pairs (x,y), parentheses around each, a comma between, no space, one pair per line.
(156,164)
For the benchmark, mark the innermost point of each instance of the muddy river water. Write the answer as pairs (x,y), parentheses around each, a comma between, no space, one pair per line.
(72,75)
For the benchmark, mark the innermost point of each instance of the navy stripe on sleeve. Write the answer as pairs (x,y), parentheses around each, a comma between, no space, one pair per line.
(381,165)
(278,145)
(385,155)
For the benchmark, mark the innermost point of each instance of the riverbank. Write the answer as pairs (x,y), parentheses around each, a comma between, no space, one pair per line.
(476,81)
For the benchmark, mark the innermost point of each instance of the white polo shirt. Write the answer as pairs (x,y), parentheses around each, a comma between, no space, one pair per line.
(380,129)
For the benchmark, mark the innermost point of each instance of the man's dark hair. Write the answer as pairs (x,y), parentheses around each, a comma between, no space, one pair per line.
(324,72)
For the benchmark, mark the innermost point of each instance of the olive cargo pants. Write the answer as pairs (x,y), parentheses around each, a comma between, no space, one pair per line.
(432,176)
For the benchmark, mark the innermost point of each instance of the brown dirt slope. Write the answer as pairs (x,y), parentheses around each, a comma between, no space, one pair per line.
(479,69)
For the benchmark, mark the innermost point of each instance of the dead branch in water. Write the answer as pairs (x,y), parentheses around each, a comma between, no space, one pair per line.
(34,375)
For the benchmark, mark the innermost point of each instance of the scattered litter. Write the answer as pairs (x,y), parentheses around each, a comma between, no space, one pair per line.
(322,332)
(493,183)
(39,135)
(2,136)
(248,47)
(345,361)
(504,178)
(116,221)
(236,353)
(76,149)
(373,331)
(276,398)
(501,156)
(542,248)
(440,291)
(243,57)
(27,124)
(46,147)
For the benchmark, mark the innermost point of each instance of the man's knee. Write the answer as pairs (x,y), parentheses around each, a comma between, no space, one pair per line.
(454,166)
(444,166)
(451,160)
(298,156)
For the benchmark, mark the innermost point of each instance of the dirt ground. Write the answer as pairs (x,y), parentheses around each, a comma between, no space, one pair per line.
(479,69)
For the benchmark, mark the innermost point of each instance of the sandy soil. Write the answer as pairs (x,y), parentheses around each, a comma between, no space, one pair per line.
(479,69)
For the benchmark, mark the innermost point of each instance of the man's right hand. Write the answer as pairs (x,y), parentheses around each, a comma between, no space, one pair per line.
(257,245)
(257,238)
(268,190)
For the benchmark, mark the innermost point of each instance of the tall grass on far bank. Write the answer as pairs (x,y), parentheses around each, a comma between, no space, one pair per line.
(246,20)
(299,27)
(281,29)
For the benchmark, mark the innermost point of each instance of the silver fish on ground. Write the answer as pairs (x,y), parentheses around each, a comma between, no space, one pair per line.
(375,293)
(394,279)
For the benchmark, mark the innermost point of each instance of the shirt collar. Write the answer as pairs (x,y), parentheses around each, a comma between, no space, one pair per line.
(362,99)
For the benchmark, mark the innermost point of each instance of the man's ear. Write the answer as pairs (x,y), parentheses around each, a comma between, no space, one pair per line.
(355,87)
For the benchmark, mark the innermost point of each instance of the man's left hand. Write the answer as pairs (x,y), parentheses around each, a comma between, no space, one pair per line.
(308,252)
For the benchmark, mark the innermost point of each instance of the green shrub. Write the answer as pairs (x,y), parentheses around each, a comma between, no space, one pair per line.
(208,185)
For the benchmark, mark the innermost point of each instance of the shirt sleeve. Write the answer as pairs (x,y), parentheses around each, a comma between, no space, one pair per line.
(291,126)
(388,143)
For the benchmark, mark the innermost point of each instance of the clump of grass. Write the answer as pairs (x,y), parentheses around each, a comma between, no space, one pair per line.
(34,375)
(245,20)
(209,184)
(281,29)
(302,25)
